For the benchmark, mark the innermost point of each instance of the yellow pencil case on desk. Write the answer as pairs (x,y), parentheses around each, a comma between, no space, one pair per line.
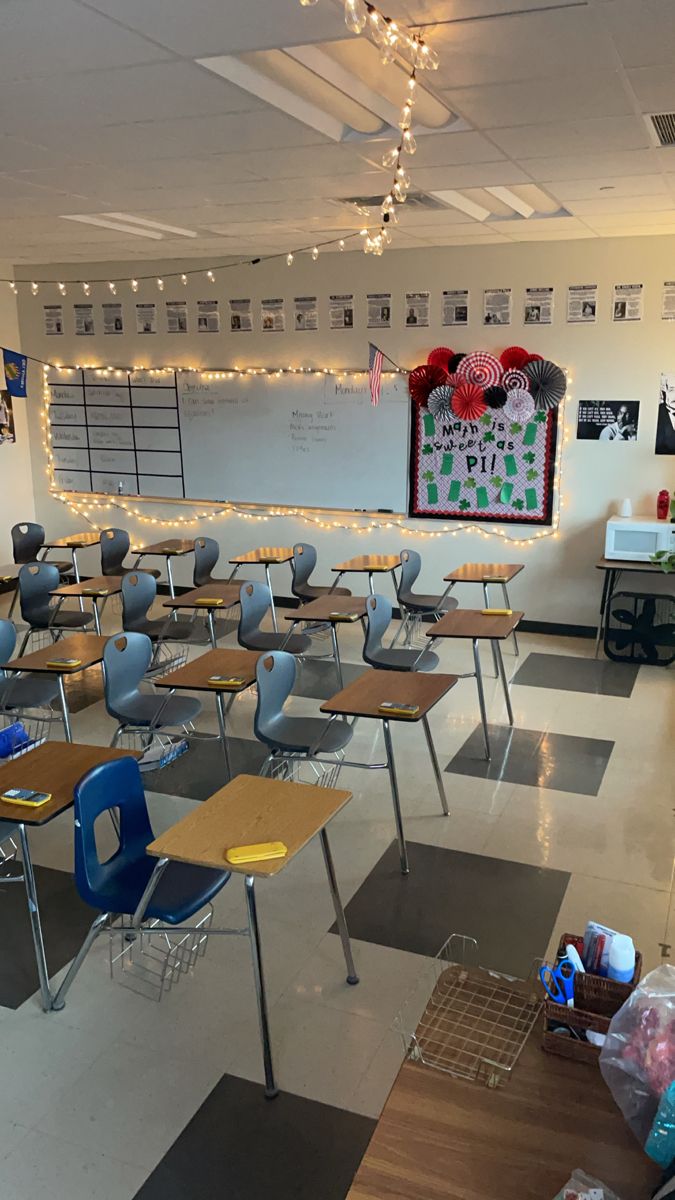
(261,852)
(343,616)
(209,601)
(389,708)
(95,591)
(495,579)
(64,664)
(224,683)
(496,612)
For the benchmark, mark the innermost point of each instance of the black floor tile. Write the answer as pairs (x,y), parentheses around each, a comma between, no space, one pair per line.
(527,756)
(569,673)
(317,678)
(510,908)
(200,631)
(83,689)
(65,920)
(199,773)
(240,1146)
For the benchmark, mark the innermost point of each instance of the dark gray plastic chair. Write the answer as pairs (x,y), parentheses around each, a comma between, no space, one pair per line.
(28,538)
(255,600)
(415,605)
(304,562)
(139,591)
(40,610)
(19,691)
(378,619)
(126,659)
(207,553)
(115,545)
(283,734)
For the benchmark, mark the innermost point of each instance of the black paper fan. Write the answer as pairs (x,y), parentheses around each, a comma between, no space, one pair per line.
(454,362)
(547,381)
(495,397)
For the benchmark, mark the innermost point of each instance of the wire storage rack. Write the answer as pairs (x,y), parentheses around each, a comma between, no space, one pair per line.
(475,1022)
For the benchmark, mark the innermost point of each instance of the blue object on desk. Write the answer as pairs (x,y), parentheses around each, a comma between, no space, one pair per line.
(559,981)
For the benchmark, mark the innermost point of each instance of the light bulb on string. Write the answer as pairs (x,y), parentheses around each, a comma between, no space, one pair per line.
(160,284)
(35,288)
(315,253)
(341,244)
(391,157)
(289,260)
(356,15)
(134,285)
(308,3)
(12,286)
(408,142)
(62,289)
(112,287)
(183,280)
(86,288)
(210,276)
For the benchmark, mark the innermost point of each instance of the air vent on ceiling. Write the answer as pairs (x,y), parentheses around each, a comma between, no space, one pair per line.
(664,128)
(414,200)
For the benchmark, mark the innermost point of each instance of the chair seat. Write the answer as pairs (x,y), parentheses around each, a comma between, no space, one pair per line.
(163,629)
(416,602)
(28,691)
(181,892)
(404,660)
(67,619)
(297,643)
(143,709)
(308,592)
(301,733)
(117,571)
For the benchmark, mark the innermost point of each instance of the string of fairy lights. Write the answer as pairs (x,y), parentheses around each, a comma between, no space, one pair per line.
(91,508)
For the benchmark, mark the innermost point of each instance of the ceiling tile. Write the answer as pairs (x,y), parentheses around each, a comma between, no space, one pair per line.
(644,33)
(589,166)
(601,135)
(565,98)
(608,203)
(654,88)
(628,185)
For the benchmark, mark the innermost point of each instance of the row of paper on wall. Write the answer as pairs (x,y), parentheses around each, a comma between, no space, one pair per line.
(538,305)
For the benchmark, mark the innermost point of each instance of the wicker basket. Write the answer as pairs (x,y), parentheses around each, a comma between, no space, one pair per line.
(596,1000)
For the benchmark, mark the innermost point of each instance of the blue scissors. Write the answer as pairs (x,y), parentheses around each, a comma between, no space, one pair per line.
(559,981)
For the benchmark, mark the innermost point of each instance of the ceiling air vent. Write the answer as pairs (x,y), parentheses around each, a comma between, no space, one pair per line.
(416,200)
(664,128)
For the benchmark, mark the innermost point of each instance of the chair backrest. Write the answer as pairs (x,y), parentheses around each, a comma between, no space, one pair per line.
(126,658)
(114,549)
(116,784)
(411,565)
(304,562)
(275,676)
(378,617)
(36,581)
(139,589)
(7,641)
(254,601)
(27,541)
(206,557)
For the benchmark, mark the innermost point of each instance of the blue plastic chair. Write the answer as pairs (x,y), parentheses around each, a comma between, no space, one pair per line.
(122,885)
(20,690)
(284,734)
(378,619)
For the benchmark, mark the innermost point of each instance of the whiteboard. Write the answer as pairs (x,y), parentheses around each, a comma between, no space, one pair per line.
(313,441)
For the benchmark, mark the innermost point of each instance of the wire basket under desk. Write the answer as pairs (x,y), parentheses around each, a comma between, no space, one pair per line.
(475,1022)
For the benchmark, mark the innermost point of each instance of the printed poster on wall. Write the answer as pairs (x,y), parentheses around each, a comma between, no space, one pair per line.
(538,306)
(608,421)
(668,301)
(306,313)
(208,316)
(497,306)
(7,431)
(416,310)
(455,307)
(582,303)
(84,320)
(53,318)
(272,315)
(665,421)
(113,321)
(489,469)
(379,310)
(176,316)
(341,312)
(241,319)
(146,318)
(627,302)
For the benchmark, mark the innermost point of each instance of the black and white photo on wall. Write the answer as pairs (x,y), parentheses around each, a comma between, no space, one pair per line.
(7,432)
(608,420)
(665,421)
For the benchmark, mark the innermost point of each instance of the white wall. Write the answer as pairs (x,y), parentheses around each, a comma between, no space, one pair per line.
(605,361)
(16,479)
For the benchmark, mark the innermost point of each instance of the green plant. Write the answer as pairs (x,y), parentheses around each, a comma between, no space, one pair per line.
(665,560)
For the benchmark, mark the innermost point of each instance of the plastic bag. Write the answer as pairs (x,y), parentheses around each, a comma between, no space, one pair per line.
(638,1058)
(583,1187)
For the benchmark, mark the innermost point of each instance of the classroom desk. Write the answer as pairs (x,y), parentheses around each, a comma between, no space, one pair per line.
(97,588)
(363,697)
(210,598)
(250,810)
(194,677)
(333,611)
(613,568)
(54,767)
(73,542)
(485,574)
(470,623)
(167,549)
(266,556)
(9,571)
(369,564)
(441,1138)
(88,647)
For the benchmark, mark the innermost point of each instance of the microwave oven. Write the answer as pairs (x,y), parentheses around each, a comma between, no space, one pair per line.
(637,538)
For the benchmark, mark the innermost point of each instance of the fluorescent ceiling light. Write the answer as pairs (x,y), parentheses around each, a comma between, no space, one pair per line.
(509,198)
(105,224)
(152,224)
(258,84)
(457,200)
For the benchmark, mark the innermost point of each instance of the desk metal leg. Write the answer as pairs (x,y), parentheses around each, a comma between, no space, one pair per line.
(371,585)
(505,685)
(220,710)
(76,573)
(212,628)
(64,709)
(606,591)
(269,584)
(97,619)
(34,914)
(481,697)
(434,763)
(507,604)
(15,597)
(352,977)
(271,1089)
(486,598)
(391,767)
(336,655)
(172,589)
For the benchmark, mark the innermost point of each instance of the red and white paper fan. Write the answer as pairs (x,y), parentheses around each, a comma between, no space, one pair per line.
(481,368)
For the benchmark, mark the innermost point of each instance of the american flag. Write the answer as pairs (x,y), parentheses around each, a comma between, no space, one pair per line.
(375,357)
